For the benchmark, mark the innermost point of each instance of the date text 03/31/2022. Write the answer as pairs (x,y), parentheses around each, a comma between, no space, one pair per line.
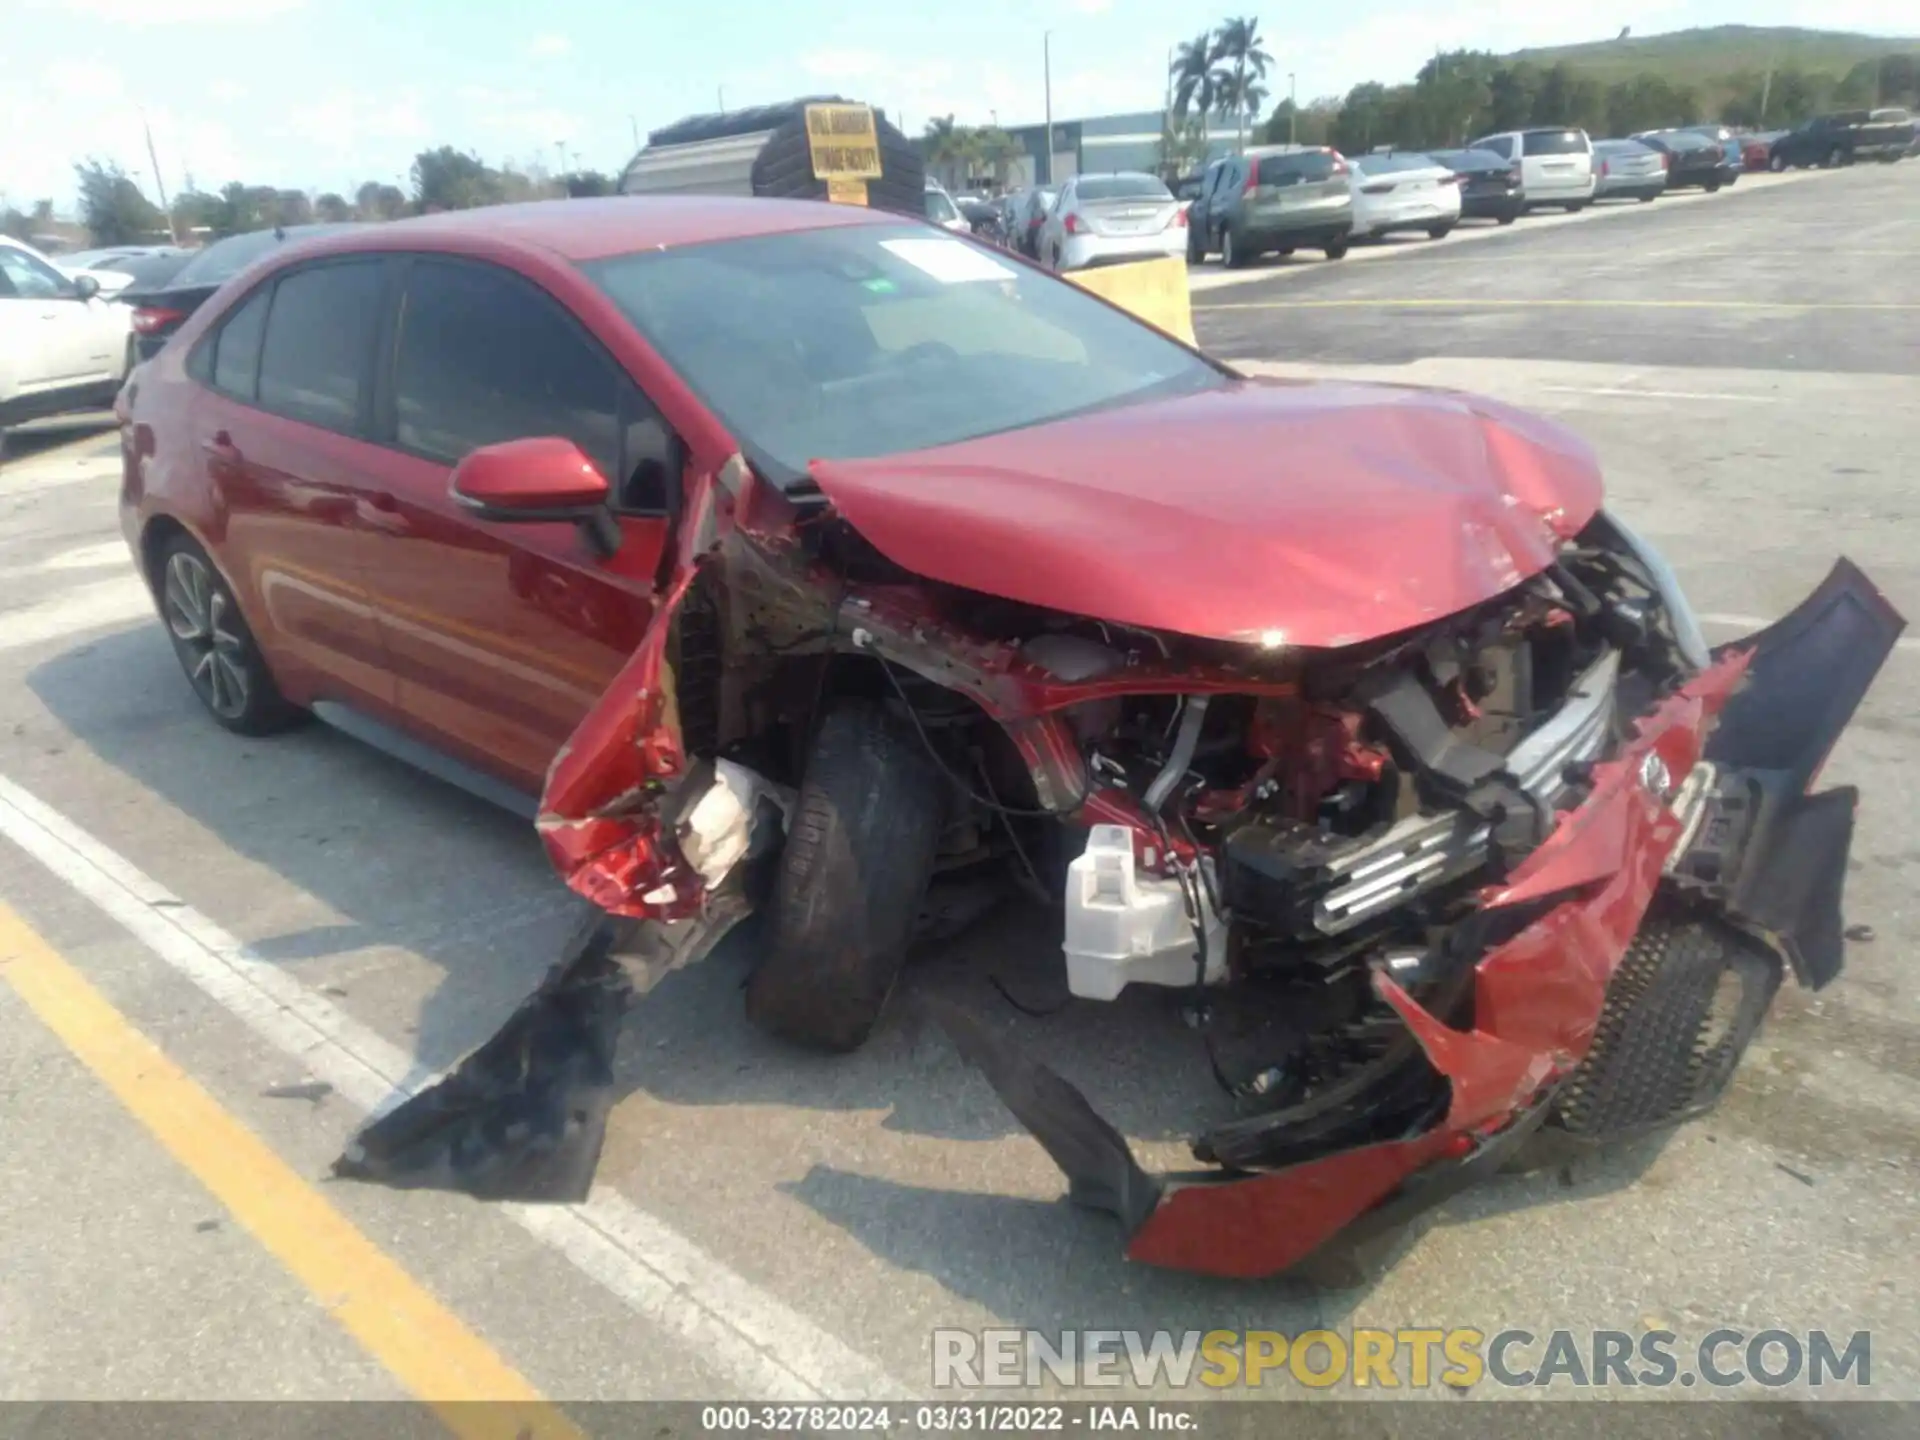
(944,1419)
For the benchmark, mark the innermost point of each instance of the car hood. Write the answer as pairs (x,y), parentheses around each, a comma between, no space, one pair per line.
(1272,511)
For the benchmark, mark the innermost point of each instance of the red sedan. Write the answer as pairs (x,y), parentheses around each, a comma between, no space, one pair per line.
(808,557)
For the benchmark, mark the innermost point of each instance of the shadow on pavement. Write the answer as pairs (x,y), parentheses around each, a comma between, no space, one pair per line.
(42,437)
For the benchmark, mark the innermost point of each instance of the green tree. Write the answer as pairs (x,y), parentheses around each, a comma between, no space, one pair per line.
(196,210)
(375,201)
(1511,93)
(448,179)
(997,151)
(25,224)
(332,209)
(111,205)
(1193,77)
(1363,118)
(1240,49)
(948,149)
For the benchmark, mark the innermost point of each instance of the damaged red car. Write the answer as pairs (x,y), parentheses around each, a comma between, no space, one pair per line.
(808,559)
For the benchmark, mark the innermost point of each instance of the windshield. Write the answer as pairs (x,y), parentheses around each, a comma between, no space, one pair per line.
(866,340)
(940,207)
(1122,187)
(1394,164)
(224,259)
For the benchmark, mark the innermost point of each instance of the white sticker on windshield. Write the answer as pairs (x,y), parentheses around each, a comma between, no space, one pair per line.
(949,261)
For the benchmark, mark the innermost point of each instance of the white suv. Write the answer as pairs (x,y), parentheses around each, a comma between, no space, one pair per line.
(1556,165)
(62,346)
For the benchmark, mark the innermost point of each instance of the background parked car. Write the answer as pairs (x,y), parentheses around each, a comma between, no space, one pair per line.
(1490,187)
(1101,219)
(1692,158)
(63,347)
(942,211)
(1839,139)
(1028,214)
(1733,165)
(1408,190)
(1900,118)
(1757,149)
(1273,198)
(162,308)
(1628,170)
(119,267)
(1556,165)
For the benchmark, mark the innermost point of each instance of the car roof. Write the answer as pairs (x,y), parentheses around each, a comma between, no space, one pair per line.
(611,225)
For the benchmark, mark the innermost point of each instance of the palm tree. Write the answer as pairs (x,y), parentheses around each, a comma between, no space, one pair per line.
(1240,44)
(1193,77)
(947,146)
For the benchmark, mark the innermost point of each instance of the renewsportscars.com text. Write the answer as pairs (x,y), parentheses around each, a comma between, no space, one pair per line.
(1397,1359)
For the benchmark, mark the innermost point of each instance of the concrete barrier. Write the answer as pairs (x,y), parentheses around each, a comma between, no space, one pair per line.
(1153,290)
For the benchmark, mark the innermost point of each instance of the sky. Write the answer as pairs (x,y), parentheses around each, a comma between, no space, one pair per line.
(320,95)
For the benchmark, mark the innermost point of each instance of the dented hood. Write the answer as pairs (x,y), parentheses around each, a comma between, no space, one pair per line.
(1307,513)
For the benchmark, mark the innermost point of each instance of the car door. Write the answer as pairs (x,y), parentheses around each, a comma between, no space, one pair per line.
(280,423)
(504,635)
(56,340)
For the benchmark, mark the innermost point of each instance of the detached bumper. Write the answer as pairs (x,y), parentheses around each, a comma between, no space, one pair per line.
(1762,859)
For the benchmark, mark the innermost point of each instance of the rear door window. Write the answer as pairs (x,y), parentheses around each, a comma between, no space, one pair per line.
(1554,142)
(1501,145)
(236,347)
(316,358)
(484,356)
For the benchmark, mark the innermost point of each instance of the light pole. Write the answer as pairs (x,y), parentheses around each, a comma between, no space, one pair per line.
(636,133)
(1293,112)
(1046,71)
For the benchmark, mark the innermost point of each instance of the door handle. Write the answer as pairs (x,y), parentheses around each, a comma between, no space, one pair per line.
(220,449)
(383,502)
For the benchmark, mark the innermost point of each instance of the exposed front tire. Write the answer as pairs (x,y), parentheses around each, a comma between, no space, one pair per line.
(1508,218)
(1648,199)
(859,858)
(1713,187)
(1776,163)
(1335,249)
(1439,232)
(215,648)
(1836,157)
(1231,257)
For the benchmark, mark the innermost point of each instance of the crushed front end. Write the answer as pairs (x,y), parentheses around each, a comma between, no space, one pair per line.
(1538,863)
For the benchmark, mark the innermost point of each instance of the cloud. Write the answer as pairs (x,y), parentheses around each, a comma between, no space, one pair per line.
(1093,7)
(174,12)
(547,46)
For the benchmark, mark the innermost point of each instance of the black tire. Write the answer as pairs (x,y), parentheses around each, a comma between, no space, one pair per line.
(1777,163)
(1835,158)
(1196,247)
(214,645)
(1439,232)
(1648,199)
(1713,187)
(1508,218)
(1231,256)
(1284,251)
(1335,249)
(858,861)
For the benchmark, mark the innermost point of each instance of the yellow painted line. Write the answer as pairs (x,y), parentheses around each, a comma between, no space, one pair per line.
(418,1340)
(1505,302)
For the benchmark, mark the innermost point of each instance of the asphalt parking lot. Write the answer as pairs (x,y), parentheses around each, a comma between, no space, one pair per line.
(296,925)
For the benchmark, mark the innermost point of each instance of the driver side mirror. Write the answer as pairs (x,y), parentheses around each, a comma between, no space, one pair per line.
(85,287)
(542,479)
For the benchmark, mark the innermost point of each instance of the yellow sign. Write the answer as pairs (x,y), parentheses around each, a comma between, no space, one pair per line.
(846,192)
(843,142)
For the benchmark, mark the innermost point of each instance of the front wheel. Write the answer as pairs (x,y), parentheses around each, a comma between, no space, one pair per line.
(1836,157)
(1648,199)
(859,858)
(1335,250)
(217,651)
(1713,187)
(1776,163)
(1230,256)
(1508,218)
(1439,232)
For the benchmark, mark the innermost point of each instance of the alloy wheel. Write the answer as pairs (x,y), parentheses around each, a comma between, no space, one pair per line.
(201,617)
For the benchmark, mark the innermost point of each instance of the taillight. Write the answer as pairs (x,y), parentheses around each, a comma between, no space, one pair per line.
(1339,163)
(1606,168)
(152,321)
(1179,221)
(1666,161)
(1071,224)
(1515,176)
(1253,180)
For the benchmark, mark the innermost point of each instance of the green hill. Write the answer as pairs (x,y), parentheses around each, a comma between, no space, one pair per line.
(1702,56)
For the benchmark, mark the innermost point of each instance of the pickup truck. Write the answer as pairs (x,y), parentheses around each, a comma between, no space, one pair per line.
(1842,138)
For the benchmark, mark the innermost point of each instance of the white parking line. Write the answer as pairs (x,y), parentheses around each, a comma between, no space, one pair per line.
(85,607)
(1660,394)
(755,1340)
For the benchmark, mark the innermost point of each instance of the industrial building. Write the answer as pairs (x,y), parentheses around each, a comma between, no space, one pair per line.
(1102,144)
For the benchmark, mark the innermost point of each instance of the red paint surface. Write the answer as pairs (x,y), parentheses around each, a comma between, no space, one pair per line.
(540,472)
(1537,1000)
(1324,514)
